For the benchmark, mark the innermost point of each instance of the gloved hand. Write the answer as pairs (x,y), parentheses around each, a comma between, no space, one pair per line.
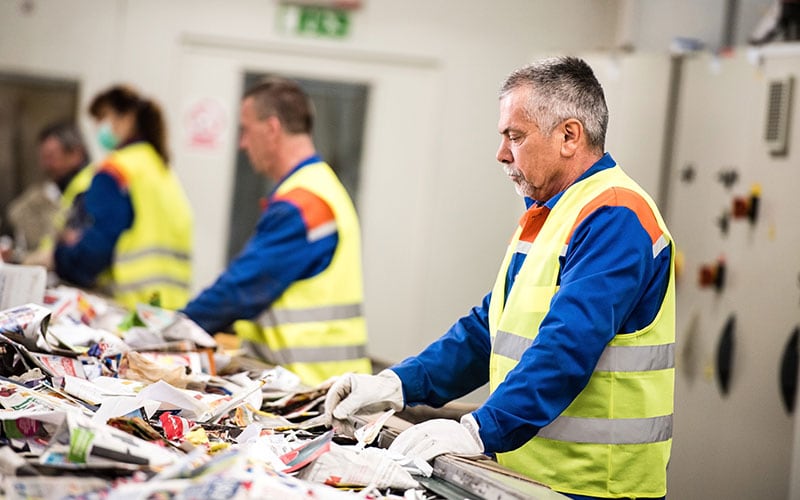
(439,436)
(356,393)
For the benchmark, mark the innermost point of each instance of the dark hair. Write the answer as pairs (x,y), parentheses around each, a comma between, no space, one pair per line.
(563,88)
(149,119)
(68,135)
(281,97)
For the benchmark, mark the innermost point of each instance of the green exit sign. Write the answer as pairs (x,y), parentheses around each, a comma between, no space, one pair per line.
(323,22)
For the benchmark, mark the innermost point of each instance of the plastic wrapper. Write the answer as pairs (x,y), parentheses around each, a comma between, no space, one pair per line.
(307,452)
(175,427)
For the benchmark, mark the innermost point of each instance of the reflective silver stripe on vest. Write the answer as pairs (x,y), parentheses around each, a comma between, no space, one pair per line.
(523,247)
(510,345)
(640,358)
(609,431)
(146,252)
(660,244)
(613,359)
(132,286)
(274,317)
(322,231)
(307,354)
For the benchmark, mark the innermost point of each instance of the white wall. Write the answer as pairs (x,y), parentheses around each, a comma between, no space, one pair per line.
(651,25)
(636,89)
(436,209)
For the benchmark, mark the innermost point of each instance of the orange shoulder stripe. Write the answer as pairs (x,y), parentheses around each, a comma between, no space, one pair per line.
(314,210)
(115,171)
(622,197)
(532,222)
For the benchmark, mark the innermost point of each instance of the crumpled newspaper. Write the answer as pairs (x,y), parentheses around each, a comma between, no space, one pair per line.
(347,466)
(27,325)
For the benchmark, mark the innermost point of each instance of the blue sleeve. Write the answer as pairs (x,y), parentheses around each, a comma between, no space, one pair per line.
(277,255)
(609,282)
(106,212)
(454,365)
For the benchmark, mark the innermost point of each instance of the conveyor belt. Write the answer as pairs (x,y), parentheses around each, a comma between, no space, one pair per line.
(487,480)
(460,478)
(446,490)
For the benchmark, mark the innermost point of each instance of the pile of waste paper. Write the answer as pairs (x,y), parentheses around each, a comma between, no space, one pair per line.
(100,402)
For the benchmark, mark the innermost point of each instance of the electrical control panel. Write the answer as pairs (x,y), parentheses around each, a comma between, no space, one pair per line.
(733,209)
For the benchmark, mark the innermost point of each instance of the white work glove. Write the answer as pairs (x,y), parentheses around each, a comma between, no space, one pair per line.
(439,436)
(367,394)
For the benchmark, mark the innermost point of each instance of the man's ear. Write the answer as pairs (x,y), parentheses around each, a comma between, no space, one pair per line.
(573,134)
(270,130)
(273,124)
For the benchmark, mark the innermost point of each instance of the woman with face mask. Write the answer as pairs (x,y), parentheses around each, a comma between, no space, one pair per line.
(133,241)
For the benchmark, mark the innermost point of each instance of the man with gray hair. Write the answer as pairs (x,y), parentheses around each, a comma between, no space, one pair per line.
(576,336)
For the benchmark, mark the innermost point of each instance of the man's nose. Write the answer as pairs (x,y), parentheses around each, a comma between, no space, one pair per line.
(503,154)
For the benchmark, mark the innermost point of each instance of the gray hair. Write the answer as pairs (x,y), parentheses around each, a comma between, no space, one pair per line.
(563,88)
(66,133)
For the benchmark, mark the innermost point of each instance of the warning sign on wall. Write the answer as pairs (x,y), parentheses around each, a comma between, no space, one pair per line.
(205,122)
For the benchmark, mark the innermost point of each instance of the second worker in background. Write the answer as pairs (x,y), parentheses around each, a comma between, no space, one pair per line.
(133,236)
(298,279)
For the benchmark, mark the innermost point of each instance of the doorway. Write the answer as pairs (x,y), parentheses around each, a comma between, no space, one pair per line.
(27,105)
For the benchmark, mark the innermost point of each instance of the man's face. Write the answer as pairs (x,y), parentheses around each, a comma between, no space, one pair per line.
(255,138)
(529,158)
(55,160)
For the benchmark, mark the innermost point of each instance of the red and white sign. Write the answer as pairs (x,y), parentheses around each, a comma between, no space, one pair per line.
(205,123)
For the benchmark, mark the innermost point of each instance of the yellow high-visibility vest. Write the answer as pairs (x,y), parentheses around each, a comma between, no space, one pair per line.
(79,184)
(316,328)
(614,439)
(153,256)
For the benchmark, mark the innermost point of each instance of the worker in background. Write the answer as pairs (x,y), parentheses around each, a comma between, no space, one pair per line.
(576,337)
(65,160)
(136,238)
(298,279)
(42,207)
